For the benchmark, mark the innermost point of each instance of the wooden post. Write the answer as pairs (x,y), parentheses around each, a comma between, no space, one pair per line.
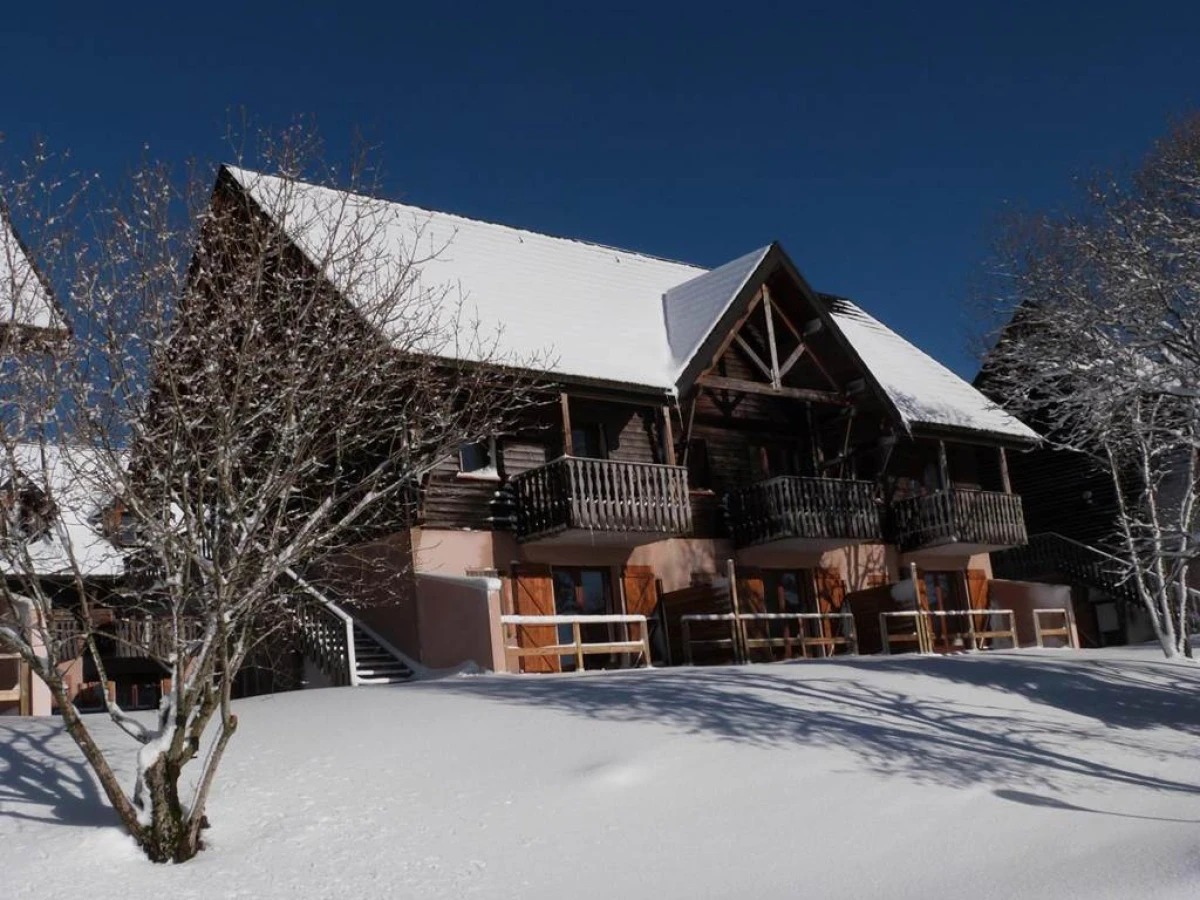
(1004,480)
(943,466)
(646,642)
(568,444)
(736,629)
(575,632)
(668,437)
(776,381)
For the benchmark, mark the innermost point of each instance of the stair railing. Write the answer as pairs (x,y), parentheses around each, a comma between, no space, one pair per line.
(351,623)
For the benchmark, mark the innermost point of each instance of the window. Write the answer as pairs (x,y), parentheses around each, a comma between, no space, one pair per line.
(478,460)
(583,592)
(587,441)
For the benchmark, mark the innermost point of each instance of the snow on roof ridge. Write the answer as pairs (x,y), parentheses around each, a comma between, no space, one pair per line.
(516,229)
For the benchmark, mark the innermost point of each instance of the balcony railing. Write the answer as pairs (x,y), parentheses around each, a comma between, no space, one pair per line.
(984,518)
(133,637)
(600,495)
(808,508)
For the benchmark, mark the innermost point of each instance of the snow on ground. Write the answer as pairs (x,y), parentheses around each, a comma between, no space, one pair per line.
(1026,774)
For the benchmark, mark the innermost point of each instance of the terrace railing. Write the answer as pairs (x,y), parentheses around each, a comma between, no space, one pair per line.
(794,507)
(958,516)
(602,495)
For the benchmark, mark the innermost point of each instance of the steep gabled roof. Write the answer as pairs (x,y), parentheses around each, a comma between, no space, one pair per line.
(692,309)
(595,310)
(25,299)
(922,390)
(611,315)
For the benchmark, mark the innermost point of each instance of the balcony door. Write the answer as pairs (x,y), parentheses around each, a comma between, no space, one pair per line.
(582,591)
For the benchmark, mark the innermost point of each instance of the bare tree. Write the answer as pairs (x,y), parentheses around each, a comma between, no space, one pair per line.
(1102,352)
(258,377)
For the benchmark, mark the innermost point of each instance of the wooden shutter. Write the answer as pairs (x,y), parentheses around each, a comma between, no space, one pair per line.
(831,591)
(977,589)
(533,595)
(641,590)
(752,598)
(641,595)
(831,594)
(977,595)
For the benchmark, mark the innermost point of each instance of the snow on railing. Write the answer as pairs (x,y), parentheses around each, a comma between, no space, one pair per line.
(579,648)
(741,643)
(925,639)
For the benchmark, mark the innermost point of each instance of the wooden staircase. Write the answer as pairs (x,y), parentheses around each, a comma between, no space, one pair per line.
(1054,555)
(345,649)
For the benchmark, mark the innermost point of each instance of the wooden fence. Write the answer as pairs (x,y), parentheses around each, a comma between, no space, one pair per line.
(925,639)
(741,643)
(1066,631)
(578,648)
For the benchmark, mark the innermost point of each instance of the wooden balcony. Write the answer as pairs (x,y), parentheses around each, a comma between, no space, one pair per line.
(574,500)
(803,513)
(958,521)
(120,637)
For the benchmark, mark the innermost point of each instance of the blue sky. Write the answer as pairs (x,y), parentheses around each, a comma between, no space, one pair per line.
(878,142)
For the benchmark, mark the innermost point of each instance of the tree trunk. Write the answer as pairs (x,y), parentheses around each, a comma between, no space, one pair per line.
(167,837)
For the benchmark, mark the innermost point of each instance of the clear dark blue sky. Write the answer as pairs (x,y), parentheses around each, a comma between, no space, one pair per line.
(877,142)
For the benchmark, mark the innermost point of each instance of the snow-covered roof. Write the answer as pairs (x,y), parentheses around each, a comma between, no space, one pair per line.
(79,501)
(594,311)
(923,391)
(692,309)
(24,298)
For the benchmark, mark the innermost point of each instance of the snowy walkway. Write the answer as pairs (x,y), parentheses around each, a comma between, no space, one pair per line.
(1031,774)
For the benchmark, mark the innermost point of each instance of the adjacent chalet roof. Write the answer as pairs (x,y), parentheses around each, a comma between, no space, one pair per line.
(922,390)
(25,300)
(78,504)
(601,313)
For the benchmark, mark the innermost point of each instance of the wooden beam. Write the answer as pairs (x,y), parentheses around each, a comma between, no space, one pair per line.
(737,326)
(568,443)
(668,439)
(754,387)
(1004,471)
(792,360)
(754,357)
(943,466)
(767,304)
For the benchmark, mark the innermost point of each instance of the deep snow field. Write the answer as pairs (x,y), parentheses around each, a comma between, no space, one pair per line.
(1050,774)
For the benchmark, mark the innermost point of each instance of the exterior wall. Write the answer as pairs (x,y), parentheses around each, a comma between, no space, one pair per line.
(1023,597)
(460,622)
(377,581)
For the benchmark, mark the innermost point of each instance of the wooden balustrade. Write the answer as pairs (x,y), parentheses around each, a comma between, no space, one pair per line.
(792,507)
(125,637)
(326,636)
(984,518)
(602,495)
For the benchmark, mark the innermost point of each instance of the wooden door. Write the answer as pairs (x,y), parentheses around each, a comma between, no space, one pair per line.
(533,595)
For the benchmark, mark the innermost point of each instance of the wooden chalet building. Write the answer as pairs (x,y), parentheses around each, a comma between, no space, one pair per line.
(703,416)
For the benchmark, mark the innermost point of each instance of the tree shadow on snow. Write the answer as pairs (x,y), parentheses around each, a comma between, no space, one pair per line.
(40,784)
(919,735)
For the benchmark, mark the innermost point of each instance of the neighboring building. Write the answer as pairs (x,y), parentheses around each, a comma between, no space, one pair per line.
(703,416)
(30,322)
